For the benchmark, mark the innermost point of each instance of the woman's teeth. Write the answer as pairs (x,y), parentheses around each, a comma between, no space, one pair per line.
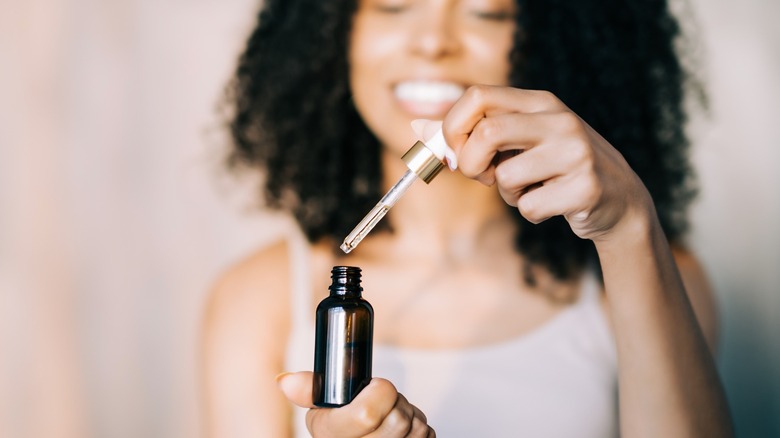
(428,91)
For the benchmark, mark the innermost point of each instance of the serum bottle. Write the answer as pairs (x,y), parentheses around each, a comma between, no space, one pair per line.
(343,341)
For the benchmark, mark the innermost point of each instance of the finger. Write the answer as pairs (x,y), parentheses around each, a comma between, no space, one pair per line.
(421,428)
(362,416)
(398,422)
(515,131)
(420,414)
(424,129)
(544,162)
(297,387)
(404,420)
(488,176)
(482,101)
(560,197)
(403,405)
(535,166)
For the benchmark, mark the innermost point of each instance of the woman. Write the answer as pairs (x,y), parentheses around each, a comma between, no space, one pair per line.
(490,320)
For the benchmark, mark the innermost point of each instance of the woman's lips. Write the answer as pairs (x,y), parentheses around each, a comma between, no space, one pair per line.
(427,98)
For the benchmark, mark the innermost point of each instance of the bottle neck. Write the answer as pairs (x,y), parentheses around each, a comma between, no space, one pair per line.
(345,281)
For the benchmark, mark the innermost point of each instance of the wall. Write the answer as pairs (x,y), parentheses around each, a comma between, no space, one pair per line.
(737,219)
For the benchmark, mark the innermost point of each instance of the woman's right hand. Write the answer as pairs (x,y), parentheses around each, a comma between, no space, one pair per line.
(377,411)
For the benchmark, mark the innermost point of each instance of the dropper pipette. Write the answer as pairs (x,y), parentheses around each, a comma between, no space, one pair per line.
(423,163)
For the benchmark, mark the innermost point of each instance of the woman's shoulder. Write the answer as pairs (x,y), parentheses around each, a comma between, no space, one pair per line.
(251,295)
(262,273)
(264,263)
(258,287)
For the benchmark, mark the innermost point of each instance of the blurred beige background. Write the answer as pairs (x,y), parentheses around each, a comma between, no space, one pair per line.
(114,216)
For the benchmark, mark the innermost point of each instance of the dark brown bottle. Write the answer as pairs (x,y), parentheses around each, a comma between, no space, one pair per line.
(344,340)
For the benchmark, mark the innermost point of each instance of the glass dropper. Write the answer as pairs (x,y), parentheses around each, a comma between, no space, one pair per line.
(423,164)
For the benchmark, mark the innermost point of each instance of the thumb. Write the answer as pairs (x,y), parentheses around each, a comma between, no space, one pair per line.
(425,129)
(297,387)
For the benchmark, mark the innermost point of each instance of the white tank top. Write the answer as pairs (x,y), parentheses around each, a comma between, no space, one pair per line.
(559,380)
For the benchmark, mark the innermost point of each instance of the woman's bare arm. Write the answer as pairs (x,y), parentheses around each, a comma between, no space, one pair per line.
(700,295)
(668,382)
(243,342)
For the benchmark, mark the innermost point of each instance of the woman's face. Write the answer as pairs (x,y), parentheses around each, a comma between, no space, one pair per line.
(412,59)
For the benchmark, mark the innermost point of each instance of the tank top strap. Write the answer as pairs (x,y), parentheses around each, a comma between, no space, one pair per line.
(300,281)
(594,316)
(300,348)
(590,291)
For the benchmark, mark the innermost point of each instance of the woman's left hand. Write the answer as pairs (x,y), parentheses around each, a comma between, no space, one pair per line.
(565,168)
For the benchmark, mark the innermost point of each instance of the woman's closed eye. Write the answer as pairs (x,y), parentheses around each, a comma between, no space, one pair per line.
(390,6)
(497,15)
(493,10)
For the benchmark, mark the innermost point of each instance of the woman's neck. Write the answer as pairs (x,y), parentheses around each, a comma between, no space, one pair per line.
(451,211)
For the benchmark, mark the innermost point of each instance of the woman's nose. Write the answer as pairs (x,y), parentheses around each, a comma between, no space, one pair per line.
(435,34)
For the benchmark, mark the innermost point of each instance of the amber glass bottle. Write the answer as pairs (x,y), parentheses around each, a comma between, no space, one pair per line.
(344,339)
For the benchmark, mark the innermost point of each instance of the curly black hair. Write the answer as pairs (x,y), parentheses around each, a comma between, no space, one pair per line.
(612,62)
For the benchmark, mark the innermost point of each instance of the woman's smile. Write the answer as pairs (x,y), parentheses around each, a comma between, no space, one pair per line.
(427,98)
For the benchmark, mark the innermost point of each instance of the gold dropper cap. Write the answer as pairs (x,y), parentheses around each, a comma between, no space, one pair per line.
(422,161)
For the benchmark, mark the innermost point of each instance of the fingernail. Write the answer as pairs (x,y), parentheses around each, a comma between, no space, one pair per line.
(452,159)
(281,376)
(418,125)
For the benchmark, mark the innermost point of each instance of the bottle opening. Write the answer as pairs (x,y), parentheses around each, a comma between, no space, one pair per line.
(345,278)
